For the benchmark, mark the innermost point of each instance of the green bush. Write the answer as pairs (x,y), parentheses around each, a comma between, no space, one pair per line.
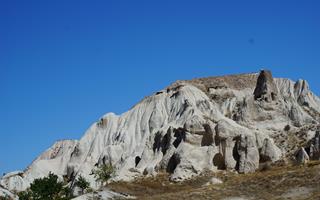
(103,173)
(25,195)
(5,198)
(82,183)
(47,188)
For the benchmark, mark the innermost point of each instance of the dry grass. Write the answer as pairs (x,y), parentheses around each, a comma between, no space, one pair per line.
(238,81)
(275,184)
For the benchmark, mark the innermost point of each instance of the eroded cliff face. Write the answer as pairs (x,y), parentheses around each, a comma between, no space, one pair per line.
(232,122)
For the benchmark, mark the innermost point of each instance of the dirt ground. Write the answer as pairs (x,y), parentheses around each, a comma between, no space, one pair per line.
(290,182)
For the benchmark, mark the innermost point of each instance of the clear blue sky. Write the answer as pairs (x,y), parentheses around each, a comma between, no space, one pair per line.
(63,64)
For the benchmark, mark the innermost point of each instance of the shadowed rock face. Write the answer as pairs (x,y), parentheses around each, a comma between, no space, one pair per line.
(302,156)
(265,89)
(231,122)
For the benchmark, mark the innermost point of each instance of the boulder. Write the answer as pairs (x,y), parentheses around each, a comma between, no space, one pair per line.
(213,181)
(314,147)
(248,154)
(269,151)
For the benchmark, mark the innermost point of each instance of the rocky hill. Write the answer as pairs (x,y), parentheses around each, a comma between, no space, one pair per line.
(234,123)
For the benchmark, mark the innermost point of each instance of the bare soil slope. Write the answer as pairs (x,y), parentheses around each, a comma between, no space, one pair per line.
(293,182)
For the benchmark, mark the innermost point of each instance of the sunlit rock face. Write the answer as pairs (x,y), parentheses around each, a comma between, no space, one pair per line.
(231,122)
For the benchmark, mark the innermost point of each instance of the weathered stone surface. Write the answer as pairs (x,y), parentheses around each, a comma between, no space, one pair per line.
(295,116)
(188,128)
(269,151)
(302,156)
(314,147)
(305,97)
(248,153)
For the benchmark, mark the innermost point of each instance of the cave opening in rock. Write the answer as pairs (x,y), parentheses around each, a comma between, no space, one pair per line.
(104,160)
(207,139)
(165,142)
(157,142)
(264,158)
(137,160)
(219,161)
(273,96)
(173,163)
(180,135)
(235,153)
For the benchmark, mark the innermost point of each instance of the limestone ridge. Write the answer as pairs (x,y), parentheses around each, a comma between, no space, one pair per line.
(235,122)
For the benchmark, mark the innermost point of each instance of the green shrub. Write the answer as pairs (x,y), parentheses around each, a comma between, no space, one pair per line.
(103,173)
(82,183)
(5,198)
(47,188)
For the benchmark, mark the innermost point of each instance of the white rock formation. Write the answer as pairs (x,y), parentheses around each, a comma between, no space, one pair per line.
(302,156)
(230,122)
(7,194)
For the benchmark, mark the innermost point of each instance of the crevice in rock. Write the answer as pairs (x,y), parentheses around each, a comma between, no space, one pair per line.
(235,152)
(70,173)
(104,160)
(238,114)
(184,107)
(219,161)
(137,160)
(175,95)
(162,143)
(173,163)
(75,152)
(165,143)
(157,142)
(180,135)
(217,140)
(207,139)
(313,148)
(102,123)
(264,158)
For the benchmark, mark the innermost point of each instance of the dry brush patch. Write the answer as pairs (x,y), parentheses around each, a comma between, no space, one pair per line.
(272,184)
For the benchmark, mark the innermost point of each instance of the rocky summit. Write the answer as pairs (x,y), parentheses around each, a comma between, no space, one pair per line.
(234,123)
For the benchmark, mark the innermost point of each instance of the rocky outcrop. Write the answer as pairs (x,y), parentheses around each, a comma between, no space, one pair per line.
(302,156)
(265,89)
(55,160)
(248,154)
(218,123)
(314,147)
(306,98)
(301,91)
(269,151)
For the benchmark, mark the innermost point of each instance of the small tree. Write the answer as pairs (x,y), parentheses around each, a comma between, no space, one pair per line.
(82,183)
(103,173)
(5,198)
(47,188)
(24,195)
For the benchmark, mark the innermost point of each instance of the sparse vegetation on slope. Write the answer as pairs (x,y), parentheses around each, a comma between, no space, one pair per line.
(47,188)
(278,182)
(103,173)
